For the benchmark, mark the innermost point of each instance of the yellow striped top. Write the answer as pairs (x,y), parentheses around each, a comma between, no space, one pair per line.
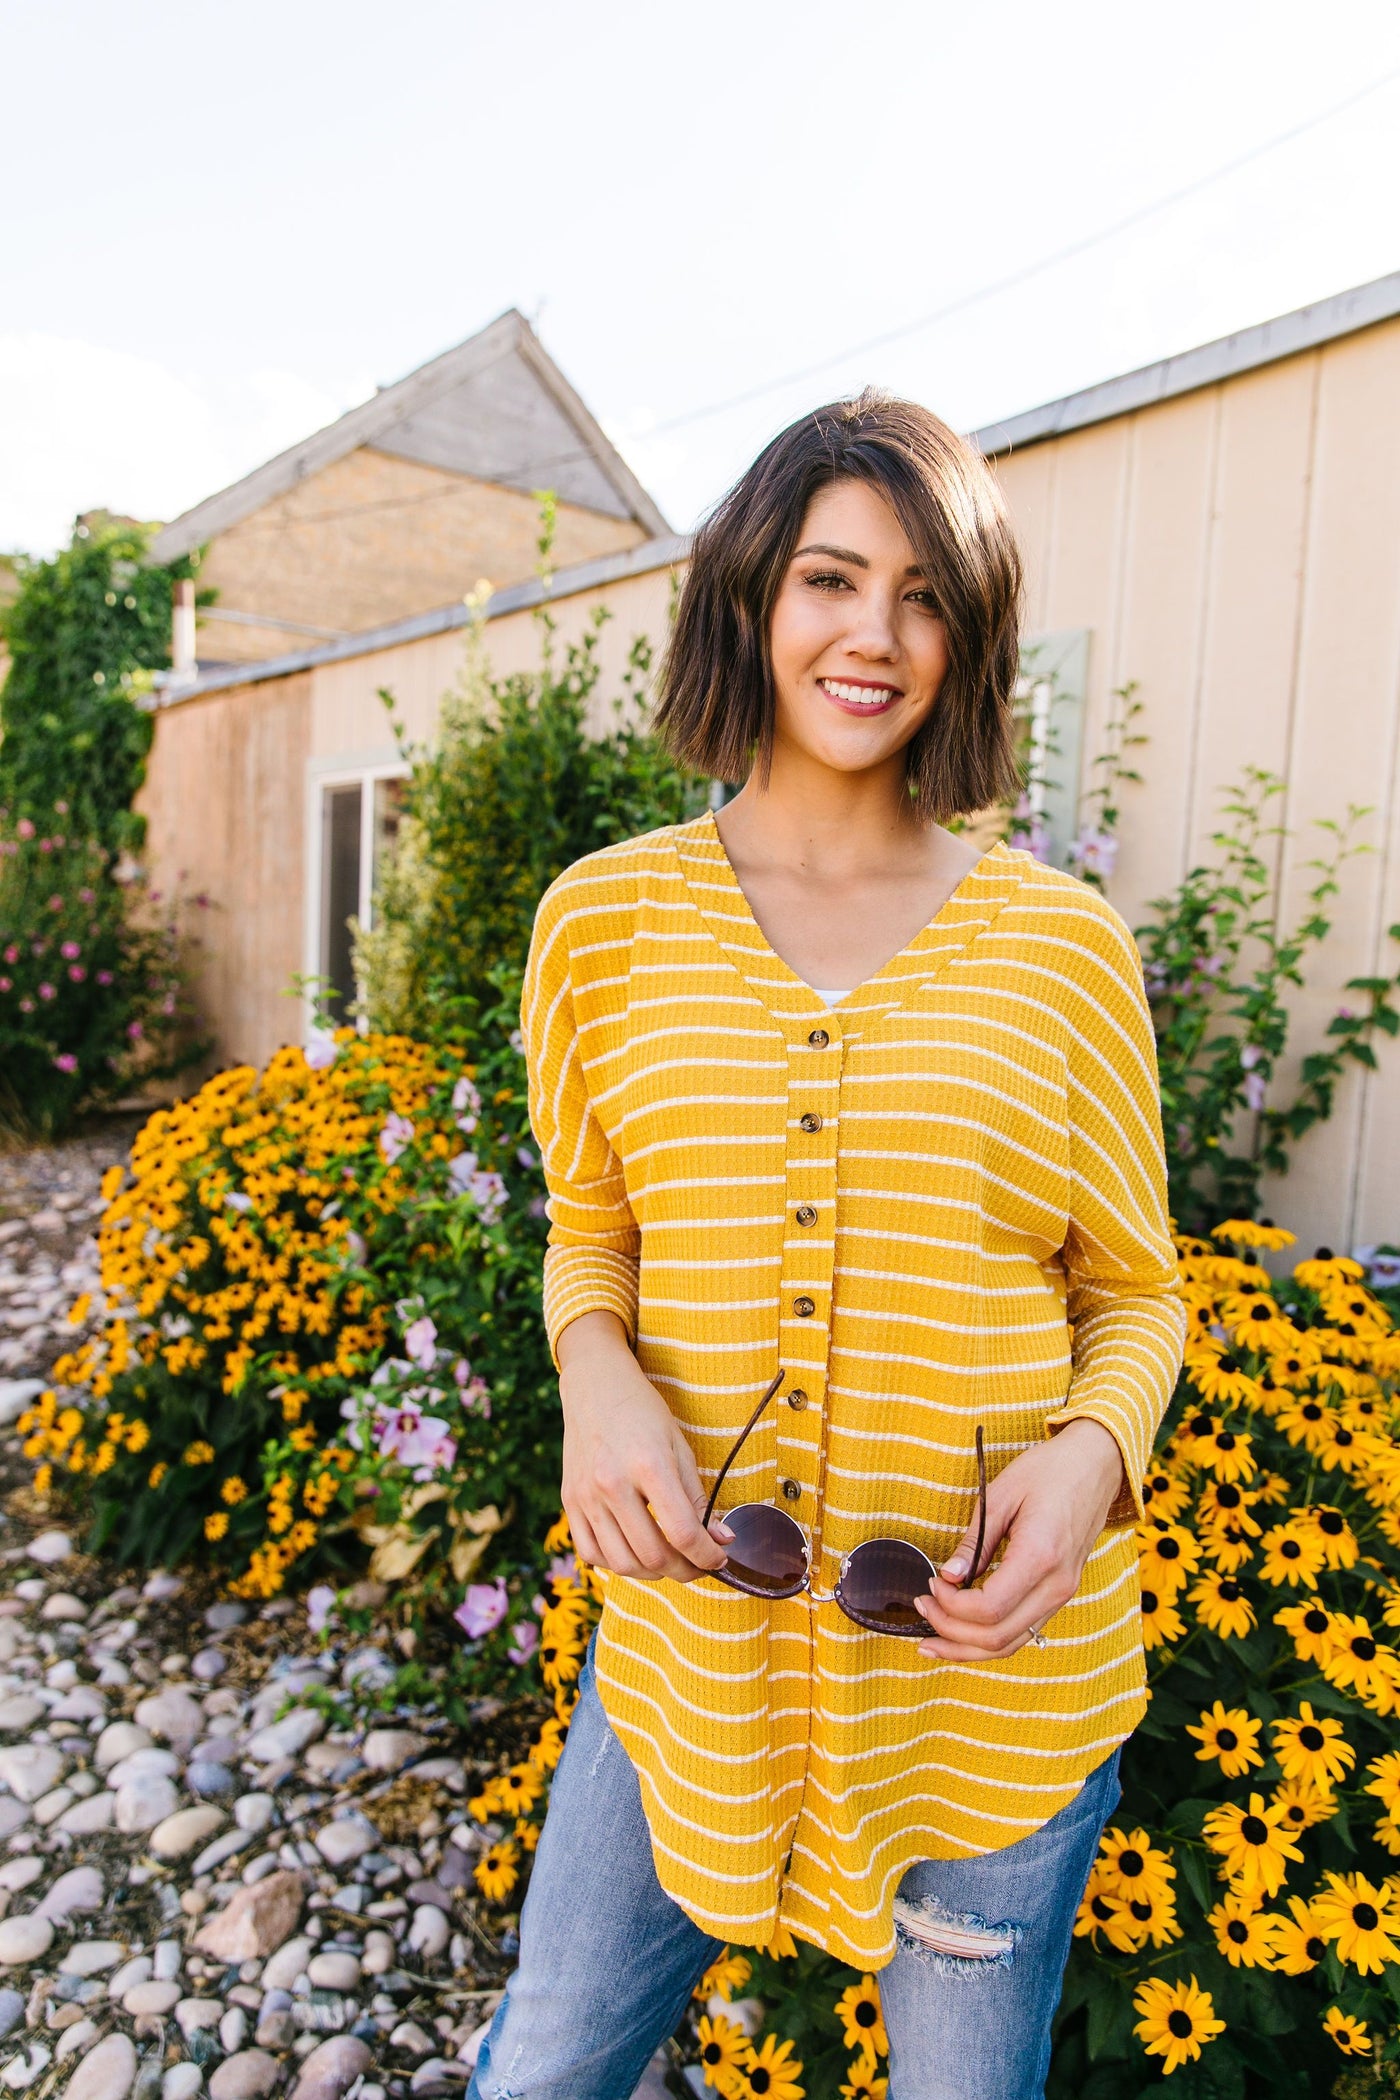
(977,1129)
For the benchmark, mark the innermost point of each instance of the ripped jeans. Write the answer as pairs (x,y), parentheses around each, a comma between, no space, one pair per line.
(608,1961)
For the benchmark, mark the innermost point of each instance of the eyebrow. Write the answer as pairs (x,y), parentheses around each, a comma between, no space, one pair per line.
(849,554)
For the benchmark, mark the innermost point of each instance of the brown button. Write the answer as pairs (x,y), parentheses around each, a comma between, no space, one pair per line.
(819,1039)
(810,1122)
(791,1491)
(804,1307)
(805,1214)
(797,1398)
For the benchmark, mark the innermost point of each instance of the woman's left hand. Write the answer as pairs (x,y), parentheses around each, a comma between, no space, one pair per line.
(1050,1505)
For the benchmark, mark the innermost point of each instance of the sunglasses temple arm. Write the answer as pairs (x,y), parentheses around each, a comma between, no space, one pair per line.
(743,1436)
(981,1511)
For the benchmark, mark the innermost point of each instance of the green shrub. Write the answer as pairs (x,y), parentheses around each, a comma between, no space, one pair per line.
(514,791)
(83,633)
(92,1001)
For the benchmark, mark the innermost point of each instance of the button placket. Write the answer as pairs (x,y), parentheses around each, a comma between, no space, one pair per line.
(814,1081)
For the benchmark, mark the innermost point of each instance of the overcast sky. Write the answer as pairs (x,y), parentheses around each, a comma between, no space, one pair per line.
(226,221)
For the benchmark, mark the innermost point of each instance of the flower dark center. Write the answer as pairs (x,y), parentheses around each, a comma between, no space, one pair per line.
(1291,1550)
(1202,1425)
(1312,1412)
(1130,1863)
(1228,1496)
(1229,1591)
(1260,1312)
(1344,1437)
(1226,1739)
(1169,1549)
(1141,1911)
(1102,1909)
(1180,2024)
(1315,1621)
(759,2079)
(1311,1738)
(1237,1931)
(1254,1830)
(866,2014)
(1225,1441)
(1149,1602)
(1363,1648)
(1365,1916)
(1230,1365)
(1315,1949)
(711,2053)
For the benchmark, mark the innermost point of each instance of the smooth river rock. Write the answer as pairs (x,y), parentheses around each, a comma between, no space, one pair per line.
(187,1828)
(255,1920)
(31,1769)
(329,2072)
(106,2072)
(23,1940)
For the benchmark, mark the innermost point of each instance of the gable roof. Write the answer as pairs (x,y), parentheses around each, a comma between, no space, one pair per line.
(1304,329)
(496,407)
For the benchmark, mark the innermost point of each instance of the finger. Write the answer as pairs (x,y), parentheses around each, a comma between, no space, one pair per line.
(614,1552)
(1035,1547)
(653,1550)
(961,1643)
(679,1520)
(694,1491)
(586,1547)
(1001,1511)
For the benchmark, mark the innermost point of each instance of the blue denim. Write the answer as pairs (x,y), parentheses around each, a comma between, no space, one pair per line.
(608,1961)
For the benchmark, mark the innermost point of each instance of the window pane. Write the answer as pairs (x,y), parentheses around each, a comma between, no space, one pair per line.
(388,810)
(340,892)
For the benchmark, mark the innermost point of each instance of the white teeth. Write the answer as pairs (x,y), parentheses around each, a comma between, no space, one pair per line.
(857,695)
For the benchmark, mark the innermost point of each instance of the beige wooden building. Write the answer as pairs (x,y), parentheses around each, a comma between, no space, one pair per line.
(1222,528)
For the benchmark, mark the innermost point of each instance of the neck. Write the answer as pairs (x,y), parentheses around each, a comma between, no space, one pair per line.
(807,812)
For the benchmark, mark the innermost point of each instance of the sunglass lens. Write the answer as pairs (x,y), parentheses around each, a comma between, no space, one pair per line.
(767,1557)
(879,1584)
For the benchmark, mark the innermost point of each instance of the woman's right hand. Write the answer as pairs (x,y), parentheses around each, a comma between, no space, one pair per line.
(630,1488)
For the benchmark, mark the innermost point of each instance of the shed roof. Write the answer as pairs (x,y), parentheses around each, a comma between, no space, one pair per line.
(496,407)
(1264,344)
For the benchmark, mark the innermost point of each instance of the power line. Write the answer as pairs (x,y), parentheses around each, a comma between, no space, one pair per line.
(1029,270)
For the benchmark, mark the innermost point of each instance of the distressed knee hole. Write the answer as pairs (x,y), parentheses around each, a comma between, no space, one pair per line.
(957,1942)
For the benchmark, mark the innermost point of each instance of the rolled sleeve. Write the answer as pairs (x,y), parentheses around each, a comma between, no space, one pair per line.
(1123,1295)
(591,1261)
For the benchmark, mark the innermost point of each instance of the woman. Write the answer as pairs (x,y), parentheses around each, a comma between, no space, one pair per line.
(852,1139)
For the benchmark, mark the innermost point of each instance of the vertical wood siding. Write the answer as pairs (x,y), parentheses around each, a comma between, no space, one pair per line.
(1236,551)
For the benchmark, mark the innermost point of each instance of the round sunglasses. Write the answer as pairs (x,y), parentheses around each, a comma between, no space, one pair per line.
(879,1579)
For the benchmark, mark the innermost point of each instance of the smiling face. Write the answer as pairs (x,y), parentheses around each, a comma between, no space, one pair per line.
(857,647)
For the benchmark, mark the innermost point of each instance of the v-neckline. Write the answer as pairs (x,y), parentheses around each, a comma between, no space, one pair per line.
(966,911)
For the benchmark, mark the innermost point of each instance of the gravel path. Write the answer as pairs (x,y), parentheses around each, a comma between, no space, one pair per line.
(203,1882)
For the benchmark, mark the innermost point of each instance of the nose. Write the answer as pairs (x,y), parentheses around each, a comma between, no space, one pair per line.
(873,633)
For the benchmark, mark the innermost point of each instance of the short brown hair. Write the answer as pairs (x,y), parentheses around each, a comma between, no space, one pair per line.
(716,705)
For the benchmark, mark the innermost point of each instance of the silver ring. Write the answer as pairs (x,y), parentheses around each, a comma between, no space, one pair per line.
(1037,1636)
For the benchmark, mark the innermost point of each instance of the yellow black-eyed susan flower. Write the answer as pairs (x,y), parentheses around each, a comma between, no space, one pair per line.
(1336,1540)
(1253,1844)
(1098,1907)
(1176,2020)
(1165,1494)
(497,1871)
(1311,1747)
(1230,1735)
(1227,1544)
(723,2048)
(1306,1423)
(1384,1782)
(1161,1621)
(216,1524)
(1350,2035)
(1222,1605)
(1291,1554)
(863,2082)
(1244,1933)
(726,1974)
(1250,1232)
(1225,1501)
(1304,1805)
(862,2022)
(1131,1865)
(770,2072)
(1167,1556)
(1360,1920)
(1298,1942)
(1311,1629)
(1358,1660)
(1138,1921)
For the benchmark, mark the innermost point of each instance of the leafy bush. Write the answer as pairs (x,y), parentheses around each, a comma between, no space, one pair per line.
(83,633)
(92,1002)
(514,791)
(276,1238)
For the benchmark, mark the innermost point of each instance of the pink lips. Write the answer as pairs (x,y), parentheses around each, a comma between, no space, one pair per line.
(887,695)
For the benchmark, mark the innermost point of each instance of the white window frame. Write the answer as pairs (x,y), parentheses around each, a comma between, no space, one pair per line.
(354,769)
(1052,688)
